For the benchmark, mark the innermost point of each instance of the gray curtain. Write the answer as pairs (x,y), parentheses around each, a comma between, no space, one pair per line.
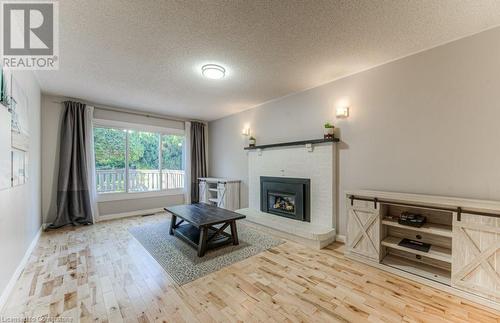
(198,158)
(73,196)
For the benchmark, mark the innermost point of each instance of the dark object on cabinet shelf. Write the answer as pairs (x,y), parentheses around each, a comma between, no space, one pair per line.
(411,219)
(415,245)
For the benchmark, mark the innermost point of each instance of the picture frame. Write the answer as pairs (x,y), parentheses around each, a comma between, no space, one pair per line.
(5,83)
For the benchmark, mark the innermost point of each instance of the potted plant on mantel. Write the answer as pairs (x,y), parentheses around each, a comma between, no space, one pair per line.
(328,131)
(252,141)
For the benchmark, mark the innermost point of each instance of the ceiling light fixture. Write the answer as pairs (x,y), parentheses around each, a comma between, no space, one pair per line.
(213,71)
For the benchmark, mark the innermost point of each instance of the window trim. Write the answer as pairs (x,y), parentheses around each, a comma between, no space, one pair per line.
(118,196)
(138,127)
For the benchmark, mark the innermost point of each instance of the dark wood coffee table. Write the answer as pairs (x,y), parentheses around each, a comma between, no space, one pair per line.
(204,227)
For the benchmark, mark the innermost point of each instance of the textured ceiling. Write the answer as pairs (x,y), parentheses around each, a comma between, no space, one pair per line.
(146,55)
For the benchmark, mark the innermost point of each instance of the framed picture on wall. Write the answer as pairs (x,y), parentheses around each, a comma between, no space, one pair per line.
(5,149)
(18,167)
(5,82)
(20,123)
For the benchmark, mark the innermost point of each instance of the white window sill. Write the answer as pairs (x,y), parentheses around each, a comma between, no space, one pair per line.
(107,197)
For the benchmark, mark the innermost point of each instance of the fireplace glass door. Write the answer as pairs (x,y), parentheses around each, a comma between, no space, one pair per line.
(286,197)
(281,202)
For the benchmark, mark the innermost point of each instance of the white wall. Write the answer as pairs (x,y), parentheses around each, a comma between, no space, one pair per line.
(428,123)
(52,111)
(20,216)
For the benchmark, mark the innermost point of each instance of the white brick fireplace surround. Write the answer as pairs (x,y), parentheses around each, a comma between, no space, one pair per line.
(297,162)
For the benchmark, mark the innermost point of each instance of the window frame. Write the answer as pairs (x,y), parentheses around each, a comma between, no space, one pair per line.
(117,196)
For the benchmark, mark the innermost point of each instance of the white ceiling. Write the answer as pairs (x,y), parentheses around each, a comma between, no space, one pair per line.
(146,55)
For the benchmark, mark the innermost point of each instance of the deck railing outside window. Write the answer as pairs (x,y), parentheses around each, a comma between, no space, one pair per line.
(139,180)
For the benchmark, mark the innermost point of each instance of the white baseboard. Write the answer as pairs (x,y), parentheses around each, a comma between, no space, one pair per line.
(120,215)
(127,214)
(340,238)
(19,270)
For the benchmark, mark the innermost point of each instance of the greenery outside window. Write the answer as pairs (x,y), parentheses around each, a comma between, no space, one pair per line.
(129,160)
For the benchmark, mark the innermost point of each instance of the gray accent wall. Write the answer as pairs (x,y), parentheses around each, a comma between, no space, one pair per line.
(20,207)
(428,123)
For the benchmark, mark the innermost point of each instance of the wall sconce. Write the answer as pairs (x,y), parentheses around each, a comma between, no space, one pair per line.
(343,112)
(245,131)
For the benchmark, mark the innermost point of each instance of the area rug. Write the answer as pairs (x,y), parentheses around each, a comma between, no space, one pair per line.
(180,260)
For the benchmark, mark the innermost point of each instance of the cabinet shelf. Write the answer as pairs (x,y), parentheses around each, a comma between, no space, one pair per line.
(431,228)
(423,270)
(435,252)
(213,189)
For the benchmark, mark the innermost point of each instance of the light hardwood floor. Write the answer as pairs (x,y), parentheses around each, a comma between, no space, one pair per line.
(101,273)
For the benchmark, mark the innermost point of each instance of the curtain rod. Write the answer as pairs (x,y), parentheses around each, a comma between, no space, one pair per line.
(133,112)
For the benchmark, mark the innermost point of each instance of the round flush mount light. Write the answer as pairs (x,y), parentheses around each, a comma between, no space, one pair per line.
(213,71)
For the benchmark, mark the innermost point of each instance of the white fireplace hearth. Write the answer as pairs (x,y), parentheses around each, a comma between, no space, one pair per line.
(317,166)
(305,233)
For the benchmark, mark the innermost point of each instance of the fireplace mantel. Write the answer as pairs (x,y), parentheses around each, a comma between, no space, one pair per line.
(294,143)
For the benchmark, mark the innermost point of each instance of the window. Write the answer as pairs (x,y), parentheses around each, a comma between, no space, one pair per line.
(172,163)
(134,161)
(143,161)
(109,148)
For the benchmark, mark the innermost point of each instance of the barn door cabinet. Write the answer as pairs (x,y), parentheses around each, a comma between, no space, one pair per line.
(363,229)
(203,189)
(476,255)
(464,257)
(220,192)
